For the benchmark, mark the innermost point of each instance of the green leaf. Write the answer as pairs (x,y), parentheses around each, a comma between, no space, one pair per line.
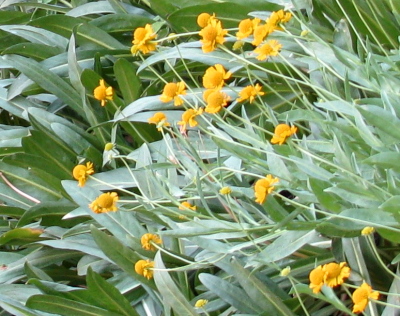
(288,243)
(259,293)
(169,291)
(128,81)
(46,79)
(230,293)
(107,296)
(33,272)
(65,307)
(19,236)
(15,307)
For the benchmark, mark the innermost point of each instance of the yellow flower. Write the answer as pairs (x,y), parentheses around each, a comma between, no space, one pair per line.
(261,32)
(270,48)
(143,40)
(148,239)
(204,19)
(172,91)
(282,131)
(215,77)
(104,203)
(367,230)
(250,93)
(159,119)
(361,296)
(316,279)
(278,17)
(102,93)
(145,268)
(216,100)
(187,205)
(335,273)
(81,173)
(263,187)
(246,28)
(109,146)
(225,190)
(212,35)
(237,45)
(200,303)
(189,117)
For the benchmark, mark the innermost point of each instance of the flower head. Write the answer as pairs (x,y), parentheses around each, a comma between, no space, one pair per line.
(335,273)
(278,17)
(225,190)
(361,296)
(260,33)
(145,268)
(172,91)
(246,28)
(285,272)
(143,40)
(147,239)
(103,93)
(250,93)
(367,230)
(81,173)
(189,118)
(204,19)
(212,35)
(216,100)
(215,76)
(187,205)
(317,279)
(104,203)
(282,131)
(160,119)
(200,303)
(263,187)
(270,48)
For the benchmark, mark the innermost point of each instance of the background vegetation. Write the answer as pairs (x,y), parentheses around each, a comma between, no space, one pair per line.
(336,79)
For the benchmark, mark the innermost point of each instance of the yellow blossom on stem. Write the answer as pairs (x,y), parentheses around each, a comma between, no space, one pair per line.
(212,35)
(250,93)
(367,230)
(204,19)
(145,268)
(263,187)
(282,132)
(361,296)
(160,119)
(104,203)
(247,27)
(285,272)
(317,279)
(215,100)
(189,118)
(143,40)
(215,76)
(261,32)
(103,93)
(172,91)
(200,303)
(335,273)
(81,173)
(278,17)
(270,48)
(187,205)
(225,190)
(147,239)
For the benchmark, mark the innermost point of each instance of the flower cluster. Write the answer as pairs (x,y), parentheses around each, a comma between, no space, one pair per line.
(212,32)
(331,274)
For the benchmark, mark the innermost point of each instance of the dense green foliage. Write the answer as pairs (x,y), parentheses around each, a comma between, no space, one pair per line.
(336,78)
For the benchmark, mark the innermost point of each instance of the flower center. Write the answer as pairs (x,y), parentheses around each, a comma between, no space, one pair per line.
(215,99)
(105,201)
(210,33)
(78,171)
(171,89)
(100,93)
(140,34)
